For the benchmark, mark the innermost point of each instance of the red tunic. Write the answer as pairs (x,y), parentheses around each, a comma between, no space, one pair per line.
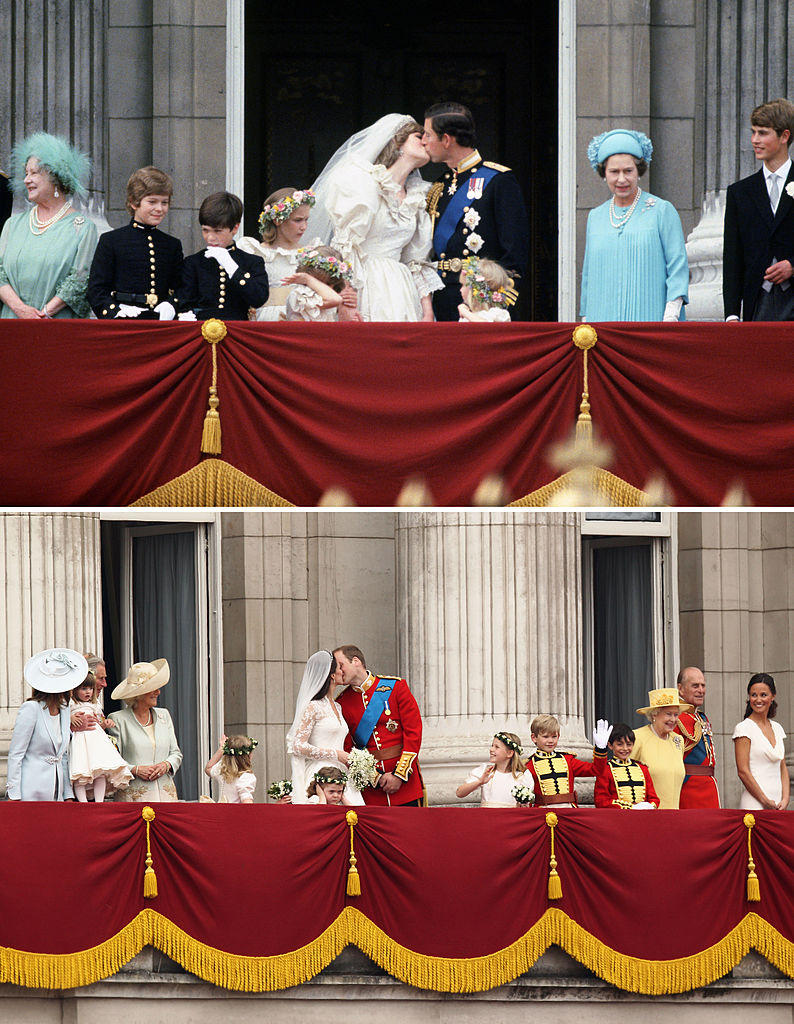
(606,789)
(400,731)
(697,790)
(558,771)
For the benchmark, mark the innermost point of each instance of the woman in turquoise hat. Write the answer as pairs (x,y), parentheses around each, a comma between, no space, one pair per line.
(635,264)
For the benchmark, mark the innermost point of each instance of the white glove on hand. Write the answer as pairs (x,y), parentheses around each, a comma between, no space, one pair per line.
(127,311)
(165,310)
(223,256)
(643,805)
(189,315)
(601,734)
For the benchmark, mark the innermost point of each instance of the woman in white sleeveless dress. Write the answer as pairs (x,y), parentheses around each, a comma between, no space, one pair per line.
(371,207)
(760,751)
(317,736)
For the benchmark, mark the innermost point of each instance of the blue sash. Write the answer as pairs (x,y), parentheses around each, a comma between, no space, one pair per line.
(377,702)
(448,220)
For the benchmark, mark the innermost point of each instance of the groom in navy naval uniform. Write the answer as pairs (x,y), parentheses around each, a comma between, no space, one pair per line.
(758,254)
(476,206)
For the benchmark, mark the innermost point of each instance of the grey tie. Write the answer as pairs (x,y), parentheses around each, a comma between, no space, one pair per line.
(774,193)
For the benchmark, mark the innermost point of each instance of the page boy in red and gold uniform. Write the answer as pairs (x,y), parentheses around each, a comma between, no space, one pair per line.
(621,782)
(554,770)
(383,717)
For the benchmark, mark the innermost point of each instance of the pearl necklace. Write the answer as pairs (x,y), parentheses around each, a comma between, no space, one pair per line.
(38,227)
(620,221)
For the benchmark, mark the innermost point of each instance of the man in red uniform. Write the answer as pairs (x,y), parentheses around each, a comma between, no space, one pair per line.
(700,786)
(383,717)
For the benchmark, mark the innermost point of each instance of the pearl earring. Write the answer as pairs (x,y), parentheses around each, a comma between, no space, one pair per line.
(57,193)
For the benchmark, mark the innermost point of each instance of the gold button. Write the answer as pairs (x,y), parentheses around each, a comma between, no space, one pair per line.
(104,312)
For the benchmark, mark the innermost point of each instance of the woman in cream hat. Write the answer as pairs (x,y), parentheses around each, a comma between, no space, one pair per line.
(38,757)
(661,749)
(145,733)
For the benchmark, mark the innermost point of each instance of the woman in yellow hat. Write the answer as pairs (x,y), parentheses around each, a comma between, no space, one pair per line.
(661,749)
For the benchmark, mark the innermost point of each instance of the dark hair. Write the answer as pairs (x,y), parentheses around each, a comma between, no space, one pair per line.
(54,701)
(221,210)
(90,680)
(350,651)
(642,166)
(621,731)
(764,679)
(327,684)
(777,115)
(453,119)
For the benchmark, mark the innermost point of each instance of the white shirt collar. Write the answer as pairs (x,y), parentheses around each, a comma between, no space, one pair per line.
(781,173)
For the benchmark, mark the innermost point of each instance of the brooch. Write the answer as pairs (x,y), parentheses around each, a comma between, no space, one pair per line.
(391,725)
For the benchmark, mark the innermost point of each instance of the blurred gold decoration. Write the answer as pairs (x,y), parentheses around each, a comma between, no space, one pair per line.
(737,496)
(213,332)
(491,492)
(584,338)
(415,494)
(335,497)
(213,483)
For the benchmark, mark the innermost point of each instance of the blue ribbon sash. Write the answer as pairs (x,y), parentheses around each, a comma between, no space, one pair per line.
(448,221)
(374,710)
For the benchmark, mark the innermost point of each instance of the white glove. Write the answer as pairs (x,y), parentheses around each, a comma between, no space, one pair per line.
(128,311)
(223,256)
(601,734)
(165,310)
(643,805)
(189,315)
(672,310)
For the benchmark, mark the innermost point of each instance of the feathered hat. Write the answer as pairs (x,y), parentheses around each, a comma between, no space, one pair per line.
(67,164)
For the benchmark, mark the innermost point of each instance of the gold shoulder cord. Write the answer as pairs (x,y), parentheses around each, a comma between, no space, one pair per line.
(495,167)
(433,196)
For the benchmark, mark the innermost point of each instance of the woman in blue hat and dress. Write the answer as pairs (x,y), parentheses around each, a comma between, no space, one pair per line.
(635,263)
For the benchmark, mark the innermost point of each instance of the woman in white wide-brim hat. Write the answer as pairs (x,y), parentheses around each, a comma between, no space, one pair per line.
(145,734)
(38,757)
(659,747)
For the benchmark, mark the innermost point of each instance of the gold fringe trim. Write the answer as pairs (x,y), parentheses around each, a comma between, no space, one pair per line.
(440,974)
(353,877)
(753,887)
(213,483)
(615,491)
(149,877)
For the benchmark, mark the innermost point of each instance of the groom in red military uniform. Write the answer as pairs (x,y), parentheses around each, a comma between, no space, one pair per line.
(383,717)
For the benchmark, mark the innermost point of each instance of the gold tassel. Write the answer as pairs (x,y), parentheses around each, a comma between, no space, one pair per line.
(149,877)
(555,882)
(753,887)
(213,332)
(584,338)
(353,877)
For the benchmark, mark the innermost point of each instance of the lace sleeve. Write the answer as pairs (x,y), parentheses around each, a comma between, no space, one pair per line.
(302,742)
(72,289)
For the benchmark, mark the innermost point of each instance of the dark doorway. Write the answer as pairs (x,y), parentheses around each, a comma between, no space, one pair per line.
(310,84)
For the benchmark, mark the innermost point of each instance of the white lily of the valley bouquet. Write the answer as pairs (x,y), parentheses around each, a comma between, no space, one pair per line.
(361,769)
(522,795)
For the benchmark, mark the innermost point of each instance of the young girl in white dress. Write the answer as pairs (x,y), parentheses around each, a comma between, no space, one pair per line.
(94,763)
(496,778)
(318,731)
(328,787)
(230,766)
(371,206)
(487,290)
(318,283)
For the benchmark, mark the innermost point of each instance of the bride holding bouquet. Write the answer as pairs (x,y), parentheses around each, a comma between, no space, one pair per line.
(317,736)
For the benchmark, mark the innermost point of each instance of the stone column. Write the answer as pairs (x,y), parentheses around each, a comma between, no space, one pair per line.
(746,63)
(50,597)
(489,630)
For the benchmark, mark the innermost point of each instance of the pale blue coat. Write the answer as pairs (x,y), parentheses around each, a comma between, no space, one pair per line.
(38,765)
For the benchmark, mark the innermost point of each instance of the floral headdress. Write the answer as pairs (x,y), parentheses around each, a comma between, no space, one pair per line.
(332,265)
(482,292)
(283,209)
(55,154)
(510,744)
(326,780)
(240,751)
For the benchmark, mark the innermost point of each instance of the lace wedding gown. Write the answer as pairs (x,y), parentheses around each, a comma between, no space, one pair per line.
(321,732)
(385,239)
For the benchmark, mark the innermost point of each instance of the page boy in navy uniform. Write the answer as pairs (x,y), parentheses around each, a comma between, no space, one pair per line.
(221,280)
(476,206)
(137,268)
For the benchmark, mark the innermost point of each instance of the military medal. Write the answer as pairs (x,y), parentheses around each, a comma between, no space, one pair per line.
(453,185)
(476,186)
(391,725)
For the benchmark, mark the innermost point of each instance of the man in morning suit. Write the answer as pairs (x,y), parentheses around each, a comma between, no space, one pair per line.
(700,786)
(383,717)
(758,253)
(476,206)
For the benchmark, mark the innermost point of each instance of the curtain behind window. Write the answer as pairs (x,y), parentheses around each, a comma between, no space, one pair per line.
(164,626)
(623,632)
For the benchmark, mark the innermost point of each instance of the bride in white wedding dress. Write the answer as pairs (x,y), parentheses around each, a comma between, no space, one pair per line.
(371,207)
(317,736)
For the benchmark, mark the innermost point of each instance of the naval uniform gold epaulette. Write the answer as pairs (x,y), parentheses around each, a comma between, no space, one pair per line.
(495,167)
(3,173)
(434,194)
